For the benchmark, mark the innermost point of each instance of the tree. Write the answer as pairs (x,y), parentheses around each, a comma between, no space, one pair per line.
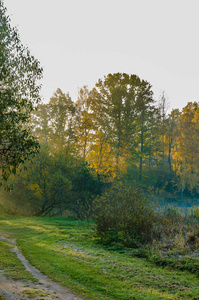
(40,121)
(112,103)
(186,157)
(173,133)
(163,106)
(61,109)
(119,109)
(145,112)
(83,122)
(19,92)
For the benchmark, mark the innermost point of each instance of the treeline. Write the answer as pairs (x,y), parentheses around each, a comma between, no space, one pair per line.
(120,130)
(116,131)
(108,126)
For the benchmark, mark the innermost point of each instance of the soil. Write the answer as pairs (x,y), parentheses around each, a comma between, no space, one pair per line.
(44,289)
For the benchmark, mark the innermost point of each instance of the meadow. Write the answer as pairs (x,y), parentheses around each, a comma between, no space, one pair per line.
(69,252)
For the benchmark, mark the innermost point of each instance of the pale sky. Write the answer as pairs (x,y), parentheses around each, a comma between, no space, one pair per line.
(79,41)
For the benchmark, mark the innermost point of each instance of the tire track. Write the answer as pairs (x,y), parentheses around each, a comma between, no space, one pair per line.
(12,290)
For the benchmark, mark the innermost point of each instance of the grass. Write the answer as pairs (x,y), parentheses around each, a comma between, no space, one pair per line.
(12,267)
(69,253)
(33,293)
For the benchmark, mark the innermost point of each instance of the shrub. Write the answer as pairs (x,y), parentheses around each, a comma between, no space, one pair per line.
(175,233)
(123,215)
(167,223)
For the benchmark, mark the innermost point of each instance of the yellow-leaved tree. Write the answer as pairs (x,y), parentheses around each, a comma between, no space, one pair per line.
(186,156)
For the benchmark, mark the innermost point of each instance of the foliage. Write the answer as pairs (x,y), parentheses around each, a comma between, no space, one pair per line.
(83,122)
(119,130)
(120,104)
(114,131)
(52,184)
(52,122)
(176,240)
(61,109)
(187,144)
(19,92)
(123,215)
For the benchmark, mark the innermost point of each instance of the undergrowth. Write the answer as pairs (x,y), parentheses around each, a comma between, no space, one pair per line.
(127,222)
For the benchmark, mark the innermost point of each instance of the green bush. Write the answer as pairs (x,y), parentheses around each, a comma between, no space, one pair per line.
(52,185)
(123,216)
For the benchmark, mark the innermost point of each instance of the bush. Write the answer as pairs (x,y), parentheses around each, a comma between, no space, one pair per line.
(52,185)
(167,223)
(123,216)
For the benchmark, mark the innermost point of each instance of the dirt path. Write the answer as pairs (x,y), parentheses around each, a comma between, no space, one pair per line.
(45,289)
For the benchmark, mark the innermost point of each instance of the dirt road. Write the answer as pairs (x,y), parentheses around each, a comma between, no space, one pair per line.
(44,289)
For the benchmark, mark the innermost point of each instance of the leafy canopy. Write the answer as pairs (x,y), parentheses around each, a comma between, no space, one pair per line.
(19,93)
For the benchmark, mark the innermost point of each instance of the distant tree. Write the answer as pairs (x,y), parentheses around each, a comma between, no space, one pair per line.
(163,106)
(40,121)
(144,119)
(120,112)
(113,106)
(19,92)
(84,125)
(173,132)
(186,156)
(61,109)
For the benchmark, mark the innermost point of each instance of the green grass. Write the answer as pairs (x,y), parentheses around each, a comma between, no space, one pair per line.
(68,252)
(11,266)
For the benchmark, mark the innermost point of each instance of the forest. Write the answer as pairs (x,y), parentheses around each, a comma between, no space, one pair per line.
(115,132)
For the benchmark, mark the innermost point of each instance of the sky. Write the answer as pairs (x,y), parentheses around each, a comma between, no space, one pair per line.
(79,41)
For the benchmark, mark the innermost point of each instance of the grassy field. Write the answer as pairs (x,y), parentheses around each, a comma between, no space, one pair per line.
(12,267)
(69,253)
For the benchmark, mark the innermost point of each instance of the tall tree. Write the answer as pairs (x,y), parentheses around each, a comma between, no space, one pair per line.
(112,102)
(83,125)
(145,112)
(163,106)
(186,156)
(40,120)
(19,92)
(61,109)
(173,131)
